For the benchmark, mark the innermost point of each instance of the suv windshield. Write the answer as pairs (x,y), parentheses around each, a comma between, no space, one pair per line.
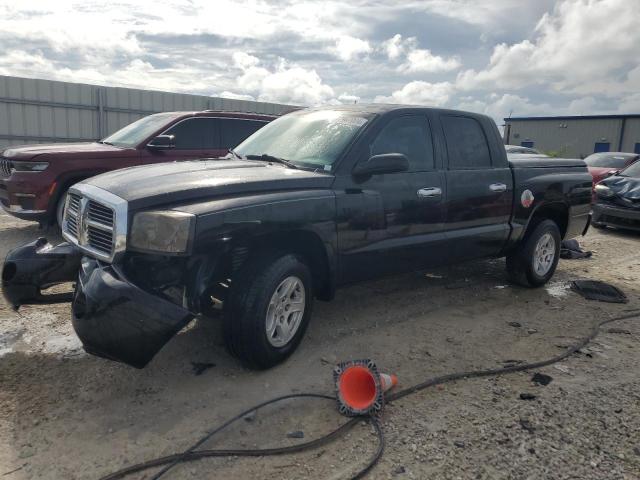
(309,138)
(608,160)
(136,132)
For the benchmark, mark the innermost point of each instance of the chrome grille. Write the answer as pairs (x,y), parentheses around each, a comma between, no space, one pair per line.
(5,167)
(100,213)
(99,239)
(90,224)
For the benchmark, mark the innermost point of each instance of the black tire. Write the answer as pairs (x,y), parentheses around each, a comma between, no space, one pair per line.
(245,310)
(60,209)
(520,263)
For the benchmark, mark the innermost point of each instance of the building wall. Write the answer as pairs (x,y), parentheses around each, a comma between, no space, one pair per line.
(572,137)
(631,135)
(46,111)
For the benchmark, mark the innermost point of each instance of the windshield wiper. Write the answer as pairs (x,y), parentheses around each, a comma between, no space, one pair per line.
(106,143)
(270,158)
(235,154)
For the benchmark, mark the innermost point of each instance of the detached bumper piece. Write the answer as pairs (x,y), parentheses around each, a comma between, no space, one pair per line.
(119,321)
(29,269)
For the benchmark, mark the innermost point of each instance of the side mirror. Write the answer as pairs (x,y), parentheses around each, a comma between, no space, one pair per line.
(162,142)
(612,173)
(383,163)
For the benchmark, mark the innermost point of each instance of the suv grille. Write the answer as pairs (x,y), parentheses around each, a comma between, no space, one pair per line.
(90,223)
(5,167)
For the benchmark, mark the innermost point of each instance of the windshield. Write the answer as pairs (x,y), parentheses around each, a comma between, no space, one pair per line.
(632,170)
(136,132)
(608,160)
(311,138)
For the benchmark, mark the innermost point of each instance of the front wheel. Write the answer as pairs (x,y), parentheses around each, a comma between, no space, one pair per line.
(60,209)
(268,310)
(534,262)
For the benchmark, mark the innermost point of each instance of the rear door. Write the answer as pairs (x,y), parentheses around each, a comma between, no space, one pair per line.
(393,222)
(234,131)
(479,189)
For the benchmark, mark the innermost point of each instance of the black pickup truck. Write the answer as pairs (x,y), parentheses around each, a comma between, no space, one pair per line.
(317,199)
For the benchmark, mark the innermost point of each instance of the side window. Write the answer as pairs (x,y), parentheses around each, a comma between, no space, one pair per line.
(409,135)
(196,134)
(466,143)
(235,131)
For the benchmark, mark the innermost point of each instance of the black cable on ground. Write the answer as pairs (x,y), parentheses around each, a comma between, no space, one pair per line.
(192,454)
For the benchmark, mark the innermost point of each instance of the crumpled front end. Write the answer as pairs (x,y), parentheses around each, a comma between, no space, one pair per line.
(117,320)
(36,266)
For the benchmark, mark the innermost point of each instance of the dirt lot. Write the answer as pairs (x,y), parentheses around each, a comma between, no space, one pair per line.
(65,414)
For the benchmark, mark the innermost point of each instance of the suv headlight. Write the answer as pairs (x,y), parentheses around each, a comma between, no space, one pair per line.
(162,231)
(28,166)
(603,190)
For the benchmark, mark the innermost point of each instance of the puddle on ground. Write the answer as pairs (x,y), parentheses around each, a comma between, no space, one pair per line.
(558,289)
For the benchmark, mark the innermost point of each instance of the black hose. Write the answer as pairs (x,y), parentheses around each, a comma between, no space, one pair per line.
(192,454)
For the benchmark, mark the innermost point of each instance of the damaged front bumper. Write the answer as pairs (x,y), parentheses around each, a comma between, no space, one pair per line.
(112,317)
(117,320)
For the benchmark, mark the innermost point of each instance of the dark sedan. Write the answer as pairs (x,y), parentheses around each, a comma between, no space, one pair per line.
(618,200)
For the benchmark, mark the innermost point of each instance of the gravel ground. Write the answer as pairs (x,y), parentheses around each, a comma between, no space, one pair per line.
(65,414)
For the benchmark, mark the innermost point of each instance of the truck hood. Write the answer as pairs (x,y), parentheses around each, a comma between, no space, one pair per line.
(87,150)
(180,182)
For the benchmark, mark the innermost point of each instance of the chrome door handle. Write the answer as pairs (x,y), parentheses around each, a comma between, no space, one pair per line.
(429,192)
(498,187)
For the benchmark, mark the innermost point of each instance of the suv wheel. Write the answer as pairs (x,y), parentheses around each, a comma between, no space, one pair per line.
(60,209)
(268,310)
(535,260)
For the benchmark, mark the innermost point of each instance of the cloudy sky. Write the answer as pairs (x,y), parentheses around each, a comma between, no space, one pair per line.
(525,57)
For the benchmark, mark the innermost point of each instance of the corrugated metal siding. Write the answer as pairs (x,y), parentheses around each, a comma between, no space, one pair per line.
(567,138)
(631,134)
(45,111)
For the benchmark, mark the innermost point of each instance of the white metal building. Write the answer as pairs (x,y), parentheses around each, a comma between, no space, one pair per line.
(46,111)
(575,136)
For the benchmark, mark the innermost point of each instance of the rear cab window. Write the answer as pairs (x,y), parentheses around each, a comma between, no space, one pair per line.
(466,142)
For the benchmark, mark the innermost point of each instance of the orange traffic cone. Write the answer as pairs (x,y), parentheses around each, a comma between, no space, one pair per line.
(360,387)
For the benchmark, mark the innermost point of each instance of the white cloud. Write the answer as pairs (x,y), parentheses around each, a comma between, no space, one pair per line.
(420,93)
(420,60)
(394,47)
(416,59)
(347,47)
(346,98)
(284,84)
(577,48)
(235,96)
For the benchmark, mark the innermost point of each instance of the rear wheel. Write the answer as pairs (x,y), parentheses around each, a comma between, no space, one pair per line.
(534,262)
(268,310)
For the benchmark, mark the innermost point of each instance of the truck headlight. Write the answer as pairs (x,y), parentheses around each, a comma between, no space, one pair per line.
(603,191)
(28,166)
(162,231)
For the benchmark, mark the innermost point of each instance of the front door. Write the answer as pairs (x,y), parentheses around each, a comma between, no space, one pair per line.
(392,222)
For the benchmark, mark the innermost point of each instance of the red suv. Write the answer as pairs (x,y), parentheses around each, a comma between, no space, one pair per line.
(34,178)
